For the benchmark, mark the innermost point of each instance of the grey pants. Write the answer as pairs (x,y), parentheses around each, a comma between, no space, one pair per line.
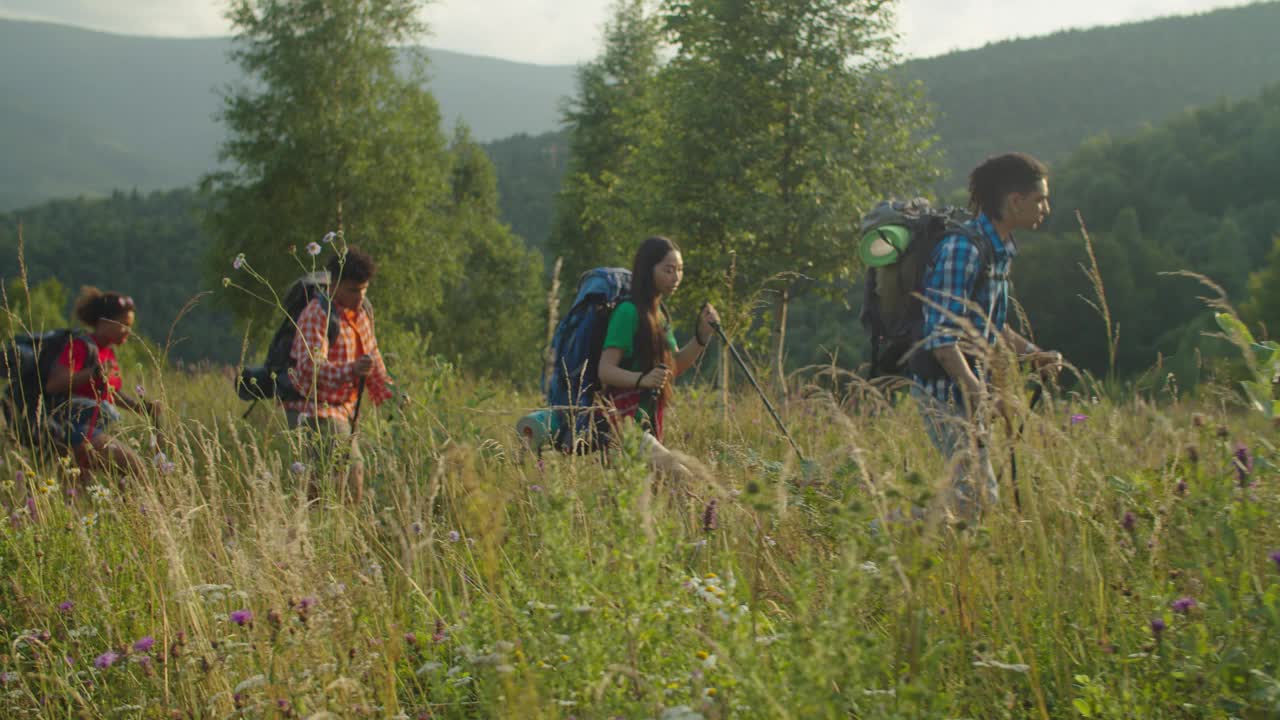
(963,443)
(329,441)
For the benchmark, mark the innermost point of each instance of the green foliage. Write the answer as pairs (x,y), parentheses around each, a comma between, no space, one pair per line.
(1192,194)
(146,246)
(482,582)
(1264,364)
(489,318)
(1112,80)
(610,119)
(529,170)
(334,136)
(33,309)
(757,146)
(1263,307)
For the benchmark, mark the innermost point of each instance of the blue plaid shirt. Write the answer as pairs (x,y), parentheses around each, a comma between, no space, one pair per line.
(951,283)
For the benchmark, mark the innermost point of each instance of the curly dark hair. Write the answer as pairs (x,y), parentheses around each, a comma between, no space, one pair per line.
(354,265)
(94,305)
(992,181)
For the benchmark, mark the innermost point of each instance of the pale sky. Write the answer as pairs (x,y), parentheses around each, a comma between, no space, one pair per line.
(568,31)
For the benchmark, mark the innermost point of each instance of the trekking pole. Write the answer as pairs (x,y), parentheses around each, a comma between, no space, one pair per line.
(768,405)
(355,414)
(1036,397)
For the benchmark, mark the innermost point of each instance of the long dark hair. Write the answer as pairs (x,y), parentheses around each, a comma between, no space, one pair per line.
(650,342)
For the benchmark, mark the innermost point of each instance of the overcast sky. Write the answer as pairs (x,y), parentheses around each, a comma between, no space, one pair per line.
(568,31)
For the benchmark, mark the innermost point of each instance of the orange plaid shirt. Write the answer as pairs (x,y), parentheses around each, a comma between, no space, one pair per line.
(325,373)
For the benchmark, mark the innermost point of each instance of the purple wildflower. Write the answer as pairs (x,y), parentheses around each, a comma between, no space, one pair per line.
(1275,558)
(1243,462)
(710,519)
(66,606)
(297,468)
(1157,627)
(454,536)
(238,262)
(313,248)
(106,660)
(410,639)
(1184,604)
(1129,522)
(1182,487)
(416,527)
(141,391)
(1078,418)
(306,603)
(8,677)
(535,488)
(242,617)
(328,237)
(144,645)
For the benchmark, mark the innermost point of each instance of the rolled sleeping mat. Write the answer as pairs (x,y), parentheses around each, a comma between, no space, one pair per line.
(538,428)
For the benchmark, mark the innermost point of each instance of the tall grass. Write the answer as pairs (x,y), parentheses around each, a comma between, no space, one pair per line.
(479,580)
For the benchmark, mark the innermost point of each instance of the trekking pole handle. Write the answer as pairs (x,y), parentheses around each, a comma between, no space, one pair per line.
(752,378)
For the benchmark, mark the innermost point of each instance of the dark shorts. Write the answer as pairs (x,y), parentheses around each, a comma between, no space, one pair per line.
(81,419)
(328,441)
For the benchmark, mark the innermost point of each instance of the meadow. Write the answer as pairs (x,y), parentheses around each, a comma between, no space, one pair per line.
(1138,575)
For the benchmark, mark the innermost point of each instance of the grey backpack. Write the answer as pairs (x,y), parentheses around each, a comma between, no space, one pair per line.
(897,243)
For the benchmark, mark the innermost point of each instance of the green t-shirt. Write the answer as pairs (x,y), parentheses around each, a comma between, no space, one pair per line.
(622,333)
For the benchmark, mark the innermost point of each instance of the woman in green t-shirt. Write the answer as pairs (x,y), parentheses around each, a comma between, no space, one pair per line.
(641,358)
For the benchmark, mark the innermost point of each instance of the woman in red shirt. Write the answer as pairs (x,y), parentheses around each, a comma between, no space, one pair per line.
(85,384)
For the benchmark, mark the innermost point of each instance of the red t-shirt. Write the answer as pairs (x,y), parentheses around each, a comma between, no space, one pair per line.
(73,357)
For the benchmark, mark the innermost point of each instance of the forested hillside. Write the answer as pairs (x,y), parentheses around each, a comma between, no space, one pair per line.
(1196,193)
(147,246)
(88,112)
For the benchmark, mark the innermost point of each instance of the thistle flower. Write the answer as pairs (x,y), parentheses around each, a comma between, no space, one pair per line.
(144,645)
(242,617)
(1243,462)
(106,660)
(1078,418)
(313,249)
(1157,627)
(410,639)
(454,536)
(1182,487)
(1275,558)
(1184,604)
(1129,522)
(66,606)
(709,516)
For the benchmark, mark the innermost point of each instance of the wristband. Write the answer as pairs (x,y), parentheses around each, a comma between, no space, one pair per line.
(638,379)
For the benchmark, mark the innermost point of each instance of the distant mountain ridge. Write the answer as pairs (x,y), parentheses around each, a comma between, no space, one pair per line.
(87,112)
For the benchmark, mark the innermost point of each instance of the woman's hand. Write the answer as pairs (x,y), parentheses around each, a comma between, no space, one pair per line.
(706,319)
(654,379)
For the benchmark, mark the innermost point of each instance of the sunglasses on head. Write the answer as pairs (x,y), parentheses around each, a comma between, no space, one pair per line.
(126,302)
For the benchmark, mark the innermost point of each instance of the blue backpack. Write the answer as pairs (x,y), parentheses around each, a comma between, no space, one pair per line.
(571,381)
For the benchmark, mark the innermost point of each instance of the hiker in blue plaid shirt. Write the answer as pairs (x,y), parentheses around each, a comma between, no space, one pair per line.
(966,293)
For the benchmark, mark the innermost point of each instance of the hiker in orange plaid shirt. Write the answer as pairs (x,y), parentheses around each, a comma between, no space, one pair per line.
(332,376)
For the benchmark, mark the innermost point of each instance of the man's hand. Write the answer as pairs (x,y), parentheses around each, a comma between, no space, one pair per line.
(363,366)
(1046,362)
